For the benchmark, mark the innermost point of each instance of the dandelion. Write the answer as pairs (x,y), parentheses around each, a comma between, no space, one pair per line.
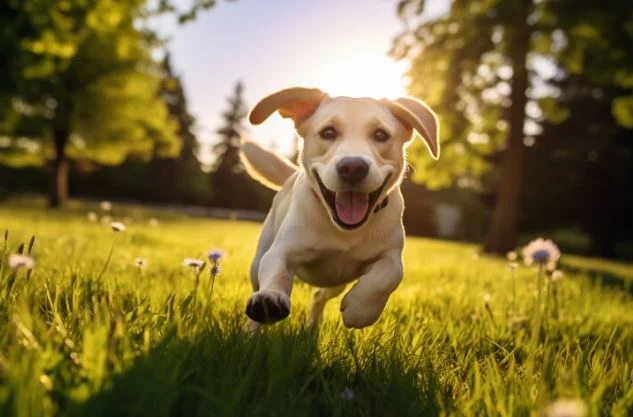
(512,266)
(92,217)
(557,275)
(153,222)
(17,261)
(193,263)
(140,262)
(541,252)
(215,255)
(348,394)
(117,227)
(105,206)
(567,408)
(512,256)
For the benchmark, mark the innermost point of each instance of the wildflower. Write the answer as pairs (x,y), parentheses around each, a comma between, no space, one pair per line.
(92,216)
(348,394)
(512,256)
(106,206)
(512,266)
(117,227)
(140,262)
(193,263)
(17,261)
(557,275)
(542,252)
(215,255)
(153,222)
(567,408)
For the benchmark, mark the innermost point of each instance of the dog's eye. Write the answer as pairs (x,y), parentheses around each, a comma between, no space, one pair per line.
(380,135)
(328,133)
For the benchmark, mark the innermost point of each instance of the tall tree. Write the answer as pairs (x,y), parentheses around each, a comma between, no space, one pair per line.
(227,175)
(85,86)
(483,67)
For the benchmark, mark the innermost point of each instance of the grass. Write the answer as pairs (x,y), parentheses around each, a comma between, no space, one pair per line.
(78,339)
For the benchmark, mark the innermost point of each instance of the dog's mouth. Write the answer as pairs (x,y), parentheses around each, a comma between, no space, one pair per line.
(350,209)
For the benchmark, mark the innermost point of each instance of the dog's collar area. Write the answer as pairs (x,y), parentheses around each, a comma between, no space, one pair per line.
(382,205)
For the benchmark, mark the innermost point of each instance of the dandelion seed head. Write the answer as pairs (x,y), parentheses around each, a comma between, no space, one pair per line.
(117,227)
(105,206)
(557,275)
(542,252)
(512,256)
(193,263)
(215,255)
(140,262)
(512,266)
(17,261)
(567,408)
(92,217)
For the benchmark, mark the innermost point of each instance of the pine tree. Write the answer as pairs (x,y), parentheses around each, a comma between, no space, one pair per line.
(227,178)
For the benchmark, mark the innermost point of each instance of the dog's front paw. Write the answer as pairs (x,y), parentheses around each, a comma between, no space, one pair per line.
(268,306)
(358,314)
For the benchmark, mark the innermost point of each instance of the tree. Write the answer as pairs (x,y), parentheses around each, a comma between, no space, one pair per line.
(228,172)
(85,86)
(482,66)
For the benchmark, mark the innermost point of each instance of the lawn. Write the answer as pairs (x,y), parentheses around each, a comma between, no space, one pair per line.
(82,336)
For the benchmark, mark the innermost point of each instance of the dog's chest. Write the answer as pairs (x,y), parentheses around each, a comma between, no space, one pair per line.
(332,268)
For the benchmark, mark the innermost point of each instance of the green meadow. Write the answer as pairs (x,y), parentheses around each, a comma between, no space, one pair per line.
(89,333)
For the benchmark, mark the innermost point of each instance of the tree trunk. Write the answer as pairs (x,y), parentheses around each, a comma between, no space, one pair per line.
(502,235)
(59,184)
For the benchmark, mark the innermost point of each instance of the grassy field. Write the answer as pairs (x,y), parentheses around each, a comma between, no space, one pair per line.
(82,336)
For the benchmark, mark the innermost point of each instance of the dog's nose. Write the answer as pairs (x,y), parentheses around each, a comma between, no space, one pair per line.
(352,170)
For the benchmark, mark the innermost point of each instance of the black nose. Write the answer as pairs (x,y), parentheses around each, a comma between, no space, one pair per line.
(352,170)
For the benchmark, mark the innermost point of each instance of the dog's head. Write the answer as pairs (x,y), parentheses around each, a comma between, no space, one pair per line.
(353,149)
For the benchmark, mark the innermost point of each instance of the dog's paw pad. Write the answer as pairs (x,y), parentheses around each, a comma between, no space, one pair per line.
(268,306)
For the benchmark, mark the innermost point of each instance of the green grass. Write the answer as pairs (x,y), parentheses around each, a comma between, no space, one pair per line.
(76,339)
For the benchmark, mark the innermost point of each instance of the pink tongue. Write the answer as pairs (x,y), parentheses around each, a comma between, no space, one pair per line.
(351,206)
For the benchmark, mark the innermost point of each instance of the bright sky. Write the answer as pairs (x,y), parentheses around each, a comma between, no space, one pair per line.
(337,45)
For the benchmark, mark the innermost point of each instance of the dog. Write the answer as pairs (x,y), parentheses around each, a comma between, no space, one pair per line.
(337,217)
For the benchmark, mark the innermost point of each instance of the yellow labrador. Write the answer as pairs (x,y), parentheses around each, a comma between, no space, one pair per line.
(338,216)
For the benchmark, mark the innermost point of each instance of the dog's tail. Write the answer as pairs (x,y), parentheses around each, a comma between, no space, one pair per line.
(266,166)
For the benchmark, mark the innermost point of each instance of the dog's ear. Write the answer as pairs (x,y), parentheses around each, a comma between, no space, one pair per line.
(417,115)
(296,103)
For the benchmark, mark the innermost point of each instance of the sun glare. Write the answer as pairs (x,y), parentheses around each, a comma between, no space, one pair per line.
(369,75)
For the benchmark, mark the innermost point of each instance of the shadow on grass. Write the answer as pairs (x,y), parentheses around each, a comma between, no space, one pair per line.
(281,372)
(603,277)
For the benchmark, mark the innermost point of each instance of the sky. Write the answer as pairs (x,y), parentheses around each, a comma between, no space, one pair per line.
(340,46)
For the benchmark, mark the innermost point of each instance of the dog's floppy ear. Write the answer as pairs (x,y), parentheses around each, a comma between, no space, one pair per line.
(417,115)
(297,103)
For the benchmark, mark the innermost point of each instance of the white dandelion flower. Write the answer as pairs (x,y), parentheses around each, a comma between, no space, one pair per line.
(557,275)
(105,206)
(215,255)
(140,262)
(92,217)
(193,263)
(542,252)
(512,256)
(17,261)
(567,408)
(348,394)
(117,227)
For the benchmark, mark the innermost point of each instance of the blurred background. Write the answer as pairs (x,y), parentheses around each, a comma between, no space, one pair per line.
(145,101)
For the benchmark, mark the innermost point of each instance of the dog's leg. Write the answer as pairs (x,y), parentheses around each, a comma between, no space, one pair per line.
(321,297)
(271,302)
(363,304)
